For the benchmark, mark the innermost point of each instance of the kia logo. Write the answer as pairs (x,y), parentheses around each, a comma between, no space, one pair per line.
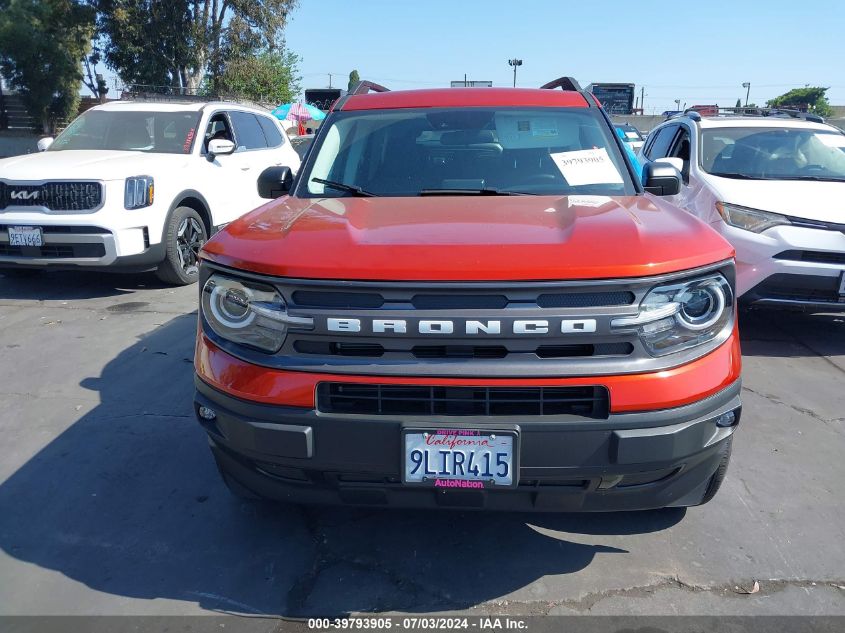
(24,195)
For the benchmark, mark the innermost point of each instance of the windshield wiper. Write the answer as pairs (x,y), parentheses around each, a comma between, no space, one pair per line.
(485,191)
(813,178)
(730,174)
(353,189)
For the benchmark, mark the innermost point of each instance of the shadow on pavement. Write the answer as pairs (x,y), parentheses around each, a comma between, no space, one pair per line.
(127,501)
(65,285)
(785,334)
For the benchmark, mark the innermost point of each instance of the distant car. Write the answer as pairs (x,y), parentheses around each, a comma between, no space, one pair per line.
(301,144)
(772,186)
(137,185)
(630,135)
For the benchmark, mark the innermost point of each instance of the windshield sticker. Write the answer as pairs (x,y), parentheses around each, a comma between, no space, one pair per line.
(832,140)
(544,127)
(587,167)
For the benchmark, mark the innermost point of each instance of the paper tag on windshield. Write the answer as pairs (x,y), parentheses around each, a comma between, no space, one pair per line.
(832,140)
(587,167)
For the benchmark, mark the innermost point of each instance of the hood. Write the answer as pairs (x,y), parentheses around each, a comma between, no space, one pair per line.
(467,238)
(88,165)
(822,201)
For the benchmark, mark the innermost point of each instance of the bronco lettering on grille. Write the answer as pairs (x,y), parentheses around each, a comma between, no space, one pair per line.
(469,327)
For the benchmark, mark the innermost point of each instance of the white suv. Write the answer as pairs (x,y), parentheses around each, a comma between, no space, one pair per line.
(773,184)
(137,185)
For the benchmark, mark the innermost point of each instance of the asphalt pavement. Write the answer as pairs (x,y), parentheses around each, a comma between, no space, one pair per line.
(110,502)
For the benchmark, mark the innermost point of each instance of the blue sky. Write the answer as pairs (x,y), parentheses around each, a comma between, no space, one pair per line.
(699,52)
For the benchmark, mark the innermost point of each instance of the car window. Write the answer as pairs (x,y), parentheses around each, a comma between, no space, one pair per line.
(217,129)
(271,131)
(130,130)
(248,134)
(410,152)
(773,153)
(659,146)
(681,149)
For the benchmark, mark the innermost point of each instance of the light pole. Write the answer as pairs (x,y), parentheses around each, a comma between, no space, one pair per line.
(515,63)
(747,86)
(678,104)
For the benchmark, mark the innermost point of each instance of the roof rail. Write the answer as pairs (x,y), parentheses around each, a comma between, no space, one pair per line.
(750,111)
(570,83)
(564,83)
(363,87)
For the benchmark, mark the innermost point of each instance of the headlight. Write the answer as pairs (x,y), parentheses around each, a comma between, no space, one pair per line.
(682,315)
(749,219)
(139,192)
(248,313)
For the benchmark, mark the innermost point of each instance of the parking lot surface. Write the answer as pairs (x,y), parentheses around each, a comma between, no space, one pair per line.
(111,503)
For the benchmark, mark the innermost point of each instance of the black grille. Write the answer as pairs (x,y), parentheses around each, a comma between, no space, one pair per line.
(56,196)
(52,251)
(75,230)
(788,287)
(459,302)
(336,348)
(585,299)
(589,402)
(318,299)
(817,257)
(460,351)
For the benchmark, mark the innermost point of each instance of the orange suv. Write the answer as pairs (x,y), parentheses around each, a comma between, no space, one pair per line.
(466,298)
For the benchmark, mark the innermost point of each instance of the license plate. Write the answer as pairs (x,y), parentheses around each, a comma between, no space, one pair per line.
(25,236)
(449,458)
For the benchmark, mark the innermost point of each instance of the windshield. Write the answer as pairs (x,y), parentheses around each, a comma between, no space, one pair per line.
(154,132)
(431,151)
(773,154)
(630,134)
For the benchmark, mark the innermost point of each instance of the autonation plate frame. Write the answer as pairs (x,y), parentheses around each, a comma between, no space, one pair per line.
(459,433)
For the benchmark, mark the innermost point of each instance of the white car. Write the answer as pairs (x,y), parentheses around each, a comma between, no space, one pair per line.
(774,186)
(137,185)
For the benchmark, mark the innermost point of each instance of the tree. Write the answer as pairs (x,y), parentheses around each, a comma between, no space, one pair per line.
(270,78)
(738,103)
(354,78)
(42,44)
(194,40)
(805,99)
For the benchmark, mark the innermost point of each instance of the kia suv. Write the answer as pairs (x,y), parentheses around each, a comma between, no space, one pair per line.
(136,185)
(466,299)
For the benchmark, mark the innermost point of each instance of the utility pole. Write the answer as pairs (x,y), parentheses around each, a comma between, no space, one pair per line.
(642,99)
(747,86)
(515,63)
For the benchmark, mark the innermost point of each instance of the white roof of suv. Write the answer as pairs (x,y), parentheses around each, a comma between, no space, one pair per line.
(175,106)
(759,121)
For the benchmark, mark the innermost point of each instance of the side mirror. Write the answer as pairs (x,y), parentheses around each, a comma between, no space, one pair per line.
(44,143)
(677,163)
(219,147)
(275,182)
(661,179)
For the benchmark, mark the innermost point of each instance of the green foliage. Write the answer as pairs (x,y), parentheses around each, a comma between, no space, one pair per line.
(42,44)
(270,78)
(354,78)
(812,98)
(185,43)
(738,103)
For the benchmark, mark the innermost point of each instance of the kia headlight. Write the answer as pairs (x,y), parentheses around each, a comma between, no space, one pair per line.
(752,220)
(139,192)
(675,317)
(248,313)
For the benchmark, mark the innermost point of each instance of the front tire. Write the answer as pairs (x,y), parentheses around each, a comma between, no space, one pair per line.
(183,237)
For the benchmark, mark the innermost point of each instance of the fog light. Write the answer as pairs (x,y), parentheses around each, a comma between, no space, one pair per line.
(207,414)
(726,419)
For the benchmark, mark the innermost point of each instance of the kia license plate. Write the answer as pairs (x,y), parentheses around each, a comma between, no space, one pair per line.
(25,236)
(454,458)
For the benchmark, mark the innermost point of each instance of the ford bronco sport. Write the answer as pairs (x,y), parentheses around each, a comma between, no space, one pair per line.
(467,299)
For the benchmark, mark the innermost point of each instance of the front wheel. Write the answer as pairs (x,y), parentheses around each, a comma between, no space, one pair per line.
(184,236)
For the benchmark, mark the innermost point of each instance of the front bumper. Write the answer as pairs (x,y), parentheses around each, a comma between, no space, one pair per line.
(629,461)
(789,266)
